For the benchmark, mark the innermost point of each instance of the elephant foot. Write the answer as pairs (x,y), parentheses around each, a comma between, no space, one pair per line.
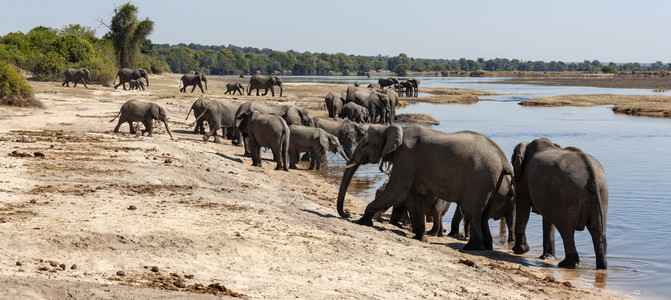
(420,238)
(278,168)
(206,138)
(202,132)
(457,236)
(368,221)
(218,140)
(511,239)
(571,261)
(432,232)
(547,255)
(520,248)
(293,167)
(474,246)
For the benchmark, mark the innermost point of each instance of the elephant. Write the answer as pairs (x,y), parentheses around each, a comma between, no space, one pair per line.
(145,112)
(135,84)
(334,103)
(348,132)
(264,82)
(76,75)
(315,141)
(234,87)
(356,113)
(405,87)
(377,103)
(292,114)
(387,81)
(127,74)
(463,167)
(198,107)
(266,130)
(357,83)
(218,114)
(393,102)
(568,188)
(193,79)
(374,86)
(415,85)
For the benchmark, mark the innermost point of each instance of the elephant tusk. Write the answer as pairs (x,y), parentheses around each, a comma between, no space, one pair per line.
(350,165)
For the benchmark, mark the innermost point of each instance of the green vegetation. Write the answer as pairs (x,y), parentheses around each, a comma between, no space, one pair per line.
(127,34)
(14,90)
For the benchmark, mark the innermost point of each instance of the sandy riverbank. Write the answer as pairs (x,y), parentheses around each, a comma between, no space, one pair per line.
(85,213)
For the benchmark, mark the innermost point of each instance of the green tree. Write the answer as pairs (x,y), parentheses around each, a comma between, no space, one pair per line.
(127,33)
(14,90)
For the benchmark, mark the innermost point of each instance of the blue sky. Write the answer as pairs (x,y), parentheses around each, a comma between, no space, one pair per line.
(568,30)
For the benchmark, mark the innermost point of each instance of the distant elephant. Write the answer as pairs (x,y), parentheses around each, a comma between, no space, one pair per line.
(135,84)
(193,79)
(356,113)
(405,87)
(264,82)
(292,114)
(387,81)
(127,74)
(76,75)
(376,103)
(334,103)
(234,87)
(219,115)
(348,132)
(463,167)
(315,141)
(266,130)
(568,188)
(415,85)
(145,112)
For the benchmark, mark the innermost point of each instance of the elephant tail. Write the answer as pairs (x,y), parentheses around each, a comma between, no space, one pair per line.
(188,113)
(115,77)
(507,170)
(595,189)
(115,116)
(207,105)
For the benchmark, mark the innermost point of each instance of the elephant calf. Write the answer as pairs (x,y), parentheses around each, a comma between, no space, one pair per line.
(145,112)
(135,84)
(233,87)
(356,113)
(313,140)
(266,130)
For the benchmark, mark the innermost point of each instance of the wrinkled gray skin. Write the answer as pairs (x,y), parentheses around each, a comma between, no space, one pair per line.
(348,132)
(127,74)
(356,113)
(234,87)
(219,114)
(264,82)
(145,112)
(314,141)
(195,79)
(376,103)
(266,130)
(387,81)
(463,167)
(76,75)
(292,114)
(135,84)
(334,104)
(568,188)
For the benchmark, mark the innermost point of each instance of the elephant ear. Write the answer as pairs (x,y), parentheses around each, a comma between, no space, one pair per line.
(393,139)
(155,112)
(518,159)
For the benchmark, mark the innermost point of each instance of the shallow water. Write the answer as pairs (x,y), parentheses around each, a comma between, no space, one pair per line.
(634,152)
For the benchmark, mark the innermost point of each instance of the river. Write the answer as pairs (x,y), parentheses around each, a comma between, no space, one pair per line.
(634,151)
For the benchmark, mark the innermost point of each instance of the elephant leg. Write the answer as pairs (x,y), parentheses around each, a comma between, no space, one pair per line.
(395,191)
(265,92)
(116,86)
(64,82)
(83,82)
(486,233)
(293,158)
(521,219)
(200,85)
(417,214)
(437,229)
(548,240)
(599,241)
(510,223)
(454,224)
(116,128)
(572,259)
(257,92)
(132,129)
(272,91)
(149,127)
(277,153)
(477,238)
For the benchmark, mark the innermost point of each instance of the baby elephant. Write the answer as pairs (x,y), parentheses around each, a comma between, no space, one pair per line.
(136,84)
(145,112)
(313,140)
(234,87)
(266,130)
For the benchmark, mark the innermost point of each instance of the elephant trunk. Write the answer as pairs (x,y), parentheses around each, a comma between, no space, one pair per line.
(146,78)
(165,121)
(346,178)
(281,89)
(342,153)
(205,80)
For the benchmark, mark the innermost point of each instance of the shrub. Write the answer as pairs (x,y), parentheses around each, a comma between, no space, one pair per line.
(608,69)
(14,89)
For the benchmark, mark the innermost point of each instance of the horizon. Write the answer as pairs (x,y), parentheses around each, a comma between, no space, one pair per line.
(607,31)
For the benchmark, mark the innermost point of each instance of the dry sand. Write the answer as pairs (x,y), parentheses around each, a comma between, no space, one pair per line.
(87,214)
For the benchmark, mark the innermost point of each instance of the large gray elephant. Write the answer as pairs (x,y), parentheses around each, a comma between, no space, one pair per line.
(76,75)
(568,188)
(264,82)
(127,74)
(315,141)
(463,167)
(387,81)
(145,112)
(334,103)
(348,132)
(234,87)
(377,103)
(219,115)
(194,79)
(266,130)
(356,113)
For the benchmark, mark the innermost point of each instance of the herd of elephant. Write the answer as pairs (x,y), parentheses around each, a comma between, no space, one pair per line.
(428,169)
(195,79)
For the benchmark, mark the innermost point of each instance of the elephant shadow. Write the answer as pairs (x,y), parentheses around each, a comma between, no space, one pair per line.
(498,255)
(235,159)
(329,216)
(183,131)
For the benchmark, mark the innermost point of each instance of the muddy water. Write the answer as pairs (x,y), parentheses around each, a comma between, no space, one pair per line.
(634,151)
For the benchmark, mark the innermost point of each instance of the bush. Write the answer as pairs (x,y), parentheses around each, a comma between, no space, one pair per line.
(608,69)
(14,89)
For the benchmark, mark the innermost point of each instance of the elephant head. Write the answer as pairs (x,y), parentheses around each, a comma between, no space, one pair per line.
(331,143)
(518,159)
(278,82)
(158,113)
(203,79)
(299,115)
(377,146)
(241,121)
(85,74)
(142,73)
